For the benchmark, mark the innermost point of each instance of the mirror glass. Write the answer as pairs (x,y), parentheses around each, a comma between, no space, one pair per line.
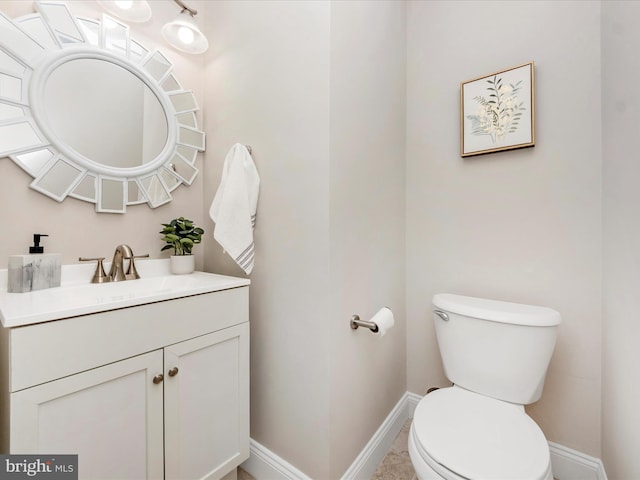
(86,99)
(91,113)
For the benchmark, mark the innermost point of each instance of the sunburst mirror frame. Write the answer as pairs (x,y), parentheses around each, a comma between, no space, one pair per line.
(33,46)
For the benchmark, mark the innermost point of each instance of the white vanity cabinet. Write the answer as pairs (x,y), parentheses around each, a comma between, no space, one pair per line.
(110,416)
(206,406)
(159,390)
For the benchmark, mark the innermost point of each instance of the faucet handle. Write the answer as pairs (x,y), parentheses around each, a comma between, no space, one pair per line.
(132,273)
(99,276)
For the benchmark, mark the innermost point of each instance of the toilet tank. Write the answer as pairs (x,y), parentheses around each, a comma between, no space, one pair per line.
(498,349)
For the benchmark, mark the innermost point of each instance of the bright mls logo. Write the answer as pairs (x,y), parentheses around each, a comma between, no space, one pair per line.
(51,467)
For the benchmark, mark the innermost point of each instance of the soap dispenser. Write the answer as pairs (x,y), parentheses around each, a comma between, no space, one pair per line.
(35,271)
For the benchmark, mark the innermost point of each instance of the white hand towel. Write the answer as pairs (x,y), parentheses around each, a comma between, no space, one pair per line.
(234,206)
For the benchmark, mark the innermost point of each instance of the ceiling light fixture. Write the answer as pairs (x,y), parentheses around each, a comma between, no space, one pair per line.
(183,34)
(130,10)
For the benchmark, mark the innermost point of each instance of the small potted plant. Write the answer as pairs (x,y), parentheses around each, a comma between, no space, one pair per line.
(181,235)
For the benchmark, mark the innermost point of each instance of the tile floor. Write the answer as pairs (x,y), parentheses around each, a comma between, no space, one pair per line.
(244,475)
(396,465)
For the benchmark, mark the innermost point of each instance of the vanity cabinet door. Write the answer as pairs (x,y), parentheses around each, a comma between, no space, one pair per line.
(110,416)
(207,404)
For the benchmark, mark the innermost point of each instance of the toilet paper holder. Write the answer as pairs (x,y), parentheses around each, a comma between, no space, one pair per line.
(356,322)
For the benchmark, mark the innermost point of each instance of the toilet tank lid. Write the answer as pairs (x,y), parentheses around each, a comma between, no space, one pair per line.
(497,311)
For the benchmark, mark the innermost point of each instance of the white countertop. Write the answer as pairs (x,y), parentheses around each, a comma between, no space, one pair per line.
(77,296)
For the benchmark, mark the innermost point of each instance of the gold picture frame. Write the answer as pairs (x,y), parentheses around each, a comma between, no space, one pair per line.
(497,111)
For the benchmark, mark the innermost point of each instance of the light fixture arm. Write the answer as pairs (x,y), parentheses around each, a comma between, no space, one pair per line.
(181,4)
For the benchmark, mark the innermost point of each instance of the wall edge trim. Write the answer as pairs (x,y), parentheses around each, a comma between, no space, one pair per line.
(569,464)
(365,464)
(263,464)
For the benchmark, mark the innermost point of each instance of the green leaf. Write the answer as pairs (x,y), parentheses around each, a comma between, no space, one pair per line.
(180,234)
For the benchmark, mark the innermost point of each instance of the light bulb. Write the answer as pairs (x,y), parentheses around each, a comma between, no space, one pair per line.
(130,10)
(185,34)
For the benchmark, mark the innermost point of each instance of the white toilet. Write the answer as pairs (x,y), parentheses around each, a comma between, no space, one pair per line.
(496,354)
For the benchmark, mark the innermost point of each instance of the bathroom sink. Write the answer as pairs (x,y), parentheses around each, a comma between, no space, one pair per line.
(78,297)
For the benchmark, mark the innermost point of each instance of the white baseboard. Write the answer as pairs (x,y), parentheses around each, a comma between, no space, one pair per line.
(365,464)
(570,464)
(263,464)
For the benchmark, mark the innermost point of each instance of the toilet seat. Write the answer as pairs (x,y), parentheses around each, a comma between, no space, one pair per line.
(467,435)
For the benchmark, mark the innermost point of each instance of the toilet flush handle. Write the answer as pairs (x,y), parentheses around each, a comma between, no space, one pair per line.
(442,315)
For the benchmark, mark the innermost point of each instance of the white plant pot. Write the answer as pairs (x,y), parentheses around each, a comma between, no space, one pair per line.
(182,264)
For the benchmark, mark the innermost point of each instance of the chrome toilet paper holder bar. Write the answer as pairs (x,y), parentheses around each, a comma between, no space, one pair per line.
(356,322)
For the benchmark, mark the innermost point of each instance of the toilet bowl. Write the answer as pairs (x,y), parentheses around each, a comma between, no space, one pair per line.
(458,434)
(496,355)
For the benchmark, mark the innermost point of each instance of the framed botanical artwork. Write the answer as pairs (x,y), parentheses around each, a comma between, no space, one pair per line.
(497,111)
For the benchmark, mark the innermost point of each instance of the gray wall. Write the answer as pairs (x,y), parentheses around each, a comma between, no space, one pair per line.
(268,78)
(521,226)
(621,168)
(317,90)
(367,182)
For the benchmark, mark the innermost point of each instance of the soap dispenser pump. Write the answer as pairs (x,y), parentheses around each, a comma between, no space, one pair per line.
(36,247)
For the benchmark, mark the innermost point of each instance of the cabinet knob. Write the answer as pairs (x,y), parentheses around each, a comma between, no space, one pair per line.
(173,372)
(158,378)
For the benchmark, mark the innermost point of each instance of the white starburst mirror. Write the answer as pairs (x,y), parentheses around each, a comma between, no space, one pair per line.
(90,113)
